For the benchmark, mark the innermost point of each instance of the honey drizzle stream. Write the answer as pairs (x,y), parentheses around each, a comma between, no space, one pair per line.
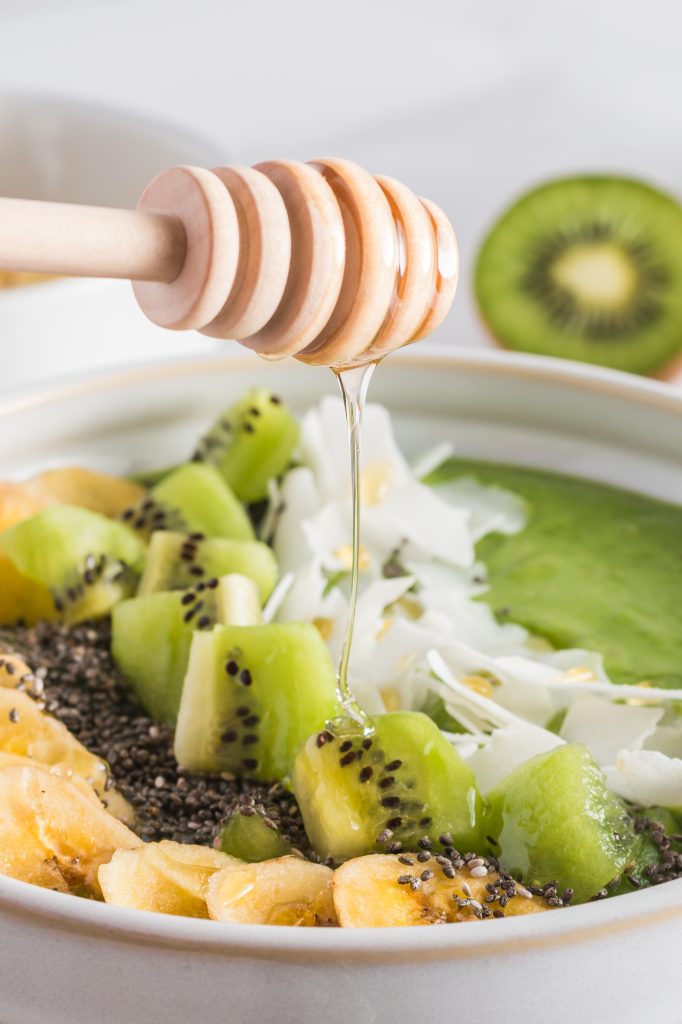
(353,383)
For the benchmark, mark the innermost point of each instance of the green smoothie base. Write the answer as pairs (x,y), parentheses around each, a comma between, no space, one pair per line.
(595,567)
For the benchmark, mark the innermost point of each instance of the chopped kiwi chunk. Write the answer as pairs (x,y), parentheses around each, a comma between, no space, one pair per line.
(251,444)
(194,499)
(249,836)
(151,636)
(554,819)
(176,561)
(657,853)
(252,696)
(587,268)
(386,792)
(68,563)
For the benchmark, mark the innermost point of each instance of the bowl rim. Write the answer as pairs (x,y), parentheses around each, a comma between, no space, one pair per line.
(366,946)
(488,362)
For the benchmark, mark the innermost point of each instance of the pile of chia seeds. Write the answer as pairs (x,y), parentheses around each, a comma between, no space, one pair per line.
(80,685)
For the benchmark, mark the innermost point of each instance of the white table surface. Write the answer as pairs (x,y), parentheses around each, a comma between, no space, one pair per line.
(468,101)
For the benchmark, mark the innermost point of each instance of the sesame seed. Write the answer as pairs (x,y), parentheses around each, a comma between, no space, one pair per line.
(478,872)
(466,890)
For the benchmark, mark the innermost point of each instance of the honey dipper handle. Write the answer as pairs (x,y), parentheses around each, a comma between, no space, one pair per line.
(90,241)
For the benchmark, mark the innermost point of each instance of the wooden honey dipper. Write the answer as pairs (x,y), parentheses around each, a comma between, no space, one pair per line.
(321,261)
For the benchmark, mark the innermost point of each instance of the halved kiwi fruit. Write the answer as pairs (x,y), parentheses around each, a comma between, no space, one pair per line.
(590,269)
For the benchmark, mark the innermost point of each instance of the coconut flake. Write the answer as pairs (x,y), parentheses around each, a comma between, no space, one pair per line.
(607,728)
(491,509)
(509,747)
(647,778)
(300,500)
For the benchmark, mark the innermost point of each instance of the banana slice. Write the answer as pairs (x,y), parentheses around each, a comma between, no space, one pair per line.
(62,771)
(74,485)
(165,877)
(19,502)
(27,731)
(52,834)
(382,891)
(12,669)
(285,891)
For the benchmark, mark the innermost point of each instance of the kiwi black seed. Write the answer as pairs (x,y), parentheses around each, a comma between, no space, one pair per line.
(590,269)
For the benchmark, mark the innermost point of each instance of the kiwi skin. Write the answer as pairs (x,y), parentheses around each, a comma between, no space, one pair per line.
(640,331)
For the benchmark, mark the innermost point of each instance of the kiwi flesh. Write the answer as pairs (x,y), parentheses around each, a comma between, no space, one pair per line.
(251,836)
(151,636)
(251,698)
(67,563)
(193,498)
(251,444)
(551,799)
(176,561)
(587,268)
(401,788)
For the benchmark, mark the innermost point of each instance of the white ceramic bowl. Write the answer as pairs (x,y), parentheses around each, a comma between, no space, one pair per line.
(67,961)
(71,152)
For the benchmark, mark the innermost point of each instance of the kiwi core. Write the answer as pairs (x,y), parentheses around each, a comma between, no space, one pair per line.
(599,276)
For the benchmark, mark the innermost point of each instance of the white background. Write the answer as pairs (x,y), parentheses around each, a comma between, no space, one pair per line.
(468,101)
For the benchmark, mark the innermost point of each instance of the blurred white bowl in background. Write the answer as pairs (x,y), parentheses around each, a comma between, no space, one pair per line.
(66,151)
